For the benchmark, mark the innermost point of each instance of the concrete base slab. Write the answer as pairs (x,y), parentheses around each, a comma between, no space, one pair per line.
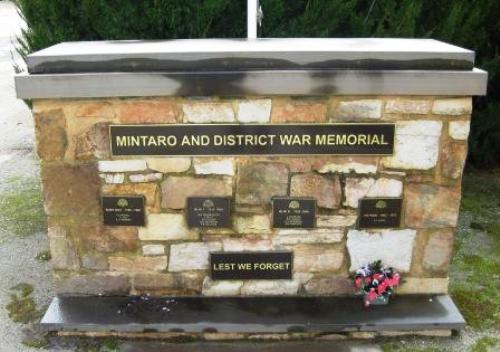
(249,314)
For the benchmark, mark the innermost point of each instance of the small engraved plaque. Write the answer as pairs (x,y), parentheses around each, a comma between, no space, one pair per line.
(251,265)
(289,212)
(378,213)
(123,210)
(208,211)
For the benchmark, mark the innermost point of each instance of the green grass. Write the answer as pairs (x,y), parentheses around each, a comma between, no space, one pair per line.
(43,256)
(398,346)
(21,207)
(474,273)
(486,344)
(22,307)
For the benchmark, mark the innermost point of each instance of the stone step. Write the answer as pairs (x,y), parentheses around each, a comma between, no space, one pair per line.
(249,314)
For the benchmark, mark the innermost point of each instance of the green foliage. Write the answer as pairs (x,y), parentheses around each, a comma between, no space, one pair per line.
(486,344)
(471,24)
(22,307)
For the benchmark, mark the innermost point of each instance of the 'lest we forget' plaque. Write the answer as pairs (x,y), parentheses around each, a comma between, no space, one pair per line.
(290,212)
(123,211)
(208,212)
(231,139)
(251,265)
(379,212)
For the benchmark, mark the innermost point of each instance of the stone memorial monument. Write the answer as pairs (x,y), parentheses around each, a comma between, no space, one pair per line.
(239,169)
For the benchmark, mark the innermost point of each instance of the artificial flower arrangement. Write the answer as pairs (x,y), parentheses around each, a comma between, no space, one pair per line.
(376,283)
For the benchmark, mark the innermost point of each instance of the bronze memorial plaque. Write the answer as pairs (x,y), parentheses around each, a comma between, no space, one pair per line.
(379,213)
(292,212)
(251,265)
(252,139)
(123,210)
(208,211)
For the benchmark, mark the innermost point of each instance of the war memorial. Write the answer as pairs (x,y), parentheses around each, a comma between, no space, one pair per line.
(229,189)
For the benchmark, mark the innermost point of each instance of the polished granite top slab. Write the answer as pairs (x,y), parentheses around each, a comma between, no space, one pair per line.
(249,314)
(249,54)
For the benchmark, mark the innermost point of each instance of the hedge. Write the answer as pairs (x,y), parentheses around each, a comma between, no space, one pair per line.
(472,24)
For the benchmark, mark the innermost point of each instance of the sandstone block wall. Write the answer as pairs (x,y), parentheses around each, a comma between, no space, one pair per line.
(166,257)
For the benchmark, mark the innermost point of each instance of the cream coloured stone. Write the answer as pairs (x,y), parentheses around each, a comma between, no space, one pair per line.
(348,167)
(417,285)
(454,106)
(221,288)
(246,244)
(298,236)
(259,224)
(153,249)
(393,247)
(214,166)
(64,255)
(166,227)
(416,145)
(360,109)
(357,188)
(459,130)
(206,112)
(113,178)
(157,176)
(336,220)
(168,165)
(317,258)
(191,255)
(138,264)
(122,165)
(270,287)
(255,110)
(408,106)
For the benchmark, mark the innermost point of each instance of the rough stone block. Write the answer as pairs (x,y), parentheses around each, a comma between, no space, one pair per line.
(137,264)
(438,251)
(358,109)
(459,130)
(254,111)
(109,239)
(431,205)
(357,188)
(93,143)
(454,106)
(316,258)
(453,156)
(115,178)
(70,189)
(148,190)
(270,287)
(326,190)
(169,164)
(246,244)
(99,284)
(258,224)
(357,164)
(408,106)
(336,221)
(191,256)
(141,178)
(416,285)
(153,281)
(313,236)
(330,286)
(152,250)
(148,111)
(129,165)
(51,139)
(166,227)
(214,166)
(416,145)
(206,112)
(63,253)
(258,182)
(393,247)
(221,288)
(298,111)
(95,261)
(175,189)
(96,109)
